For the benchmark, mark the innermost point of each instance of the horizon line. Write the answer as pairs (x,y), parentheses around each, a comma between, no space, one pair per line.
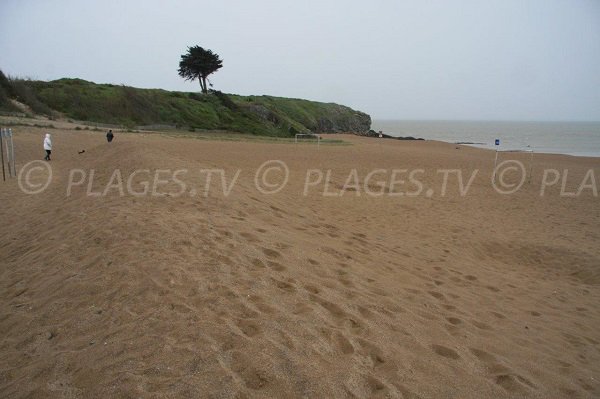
(486,120)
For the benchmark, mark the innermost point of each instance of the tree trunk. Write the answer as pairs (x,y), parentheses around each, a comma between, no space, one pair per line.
(204,84)
(202,87)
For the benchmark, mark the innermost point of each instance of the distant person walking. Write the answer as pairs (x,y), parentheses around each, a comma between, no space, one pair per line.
(48,146)
(110,136)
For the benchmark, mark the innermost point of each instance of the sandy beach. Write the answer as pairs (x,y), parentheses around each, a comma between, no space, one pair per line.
(395,288)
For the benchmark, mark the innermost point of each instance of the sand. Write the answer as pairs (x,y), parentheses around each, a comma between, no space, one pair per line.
(286,295)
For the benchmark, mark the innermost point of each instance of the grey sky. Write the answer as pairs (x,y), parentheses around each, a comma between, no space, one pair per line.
(501,60)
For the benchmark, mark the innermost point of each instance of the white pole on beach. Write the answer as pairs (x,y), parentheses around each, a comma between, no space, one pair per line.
(12,144)
(497,143)
(8,162)
(530,166)
(12,153)
(2,153)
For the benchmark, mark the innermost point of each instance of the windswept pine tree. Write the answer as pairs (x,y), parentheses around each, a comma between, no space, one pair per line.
(198,63)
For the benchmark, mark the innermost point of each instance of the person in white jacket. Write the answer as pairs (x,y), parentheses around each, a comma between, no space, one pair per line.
(48,146)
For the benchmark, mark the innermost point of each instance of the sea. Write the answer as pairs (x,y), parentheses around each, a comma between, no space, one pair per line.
(571,138)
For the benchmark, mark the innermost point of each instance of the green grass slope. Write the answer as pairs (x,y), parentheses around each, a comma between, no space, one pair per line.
(128,106)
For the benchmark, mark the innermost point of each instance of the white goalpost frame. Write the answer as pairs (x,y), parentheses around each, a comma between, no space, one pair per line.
(530,162)
(308,135)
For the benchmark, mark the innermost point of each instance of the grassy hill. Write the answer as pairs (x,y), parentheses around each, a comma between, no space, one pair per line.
(128,106)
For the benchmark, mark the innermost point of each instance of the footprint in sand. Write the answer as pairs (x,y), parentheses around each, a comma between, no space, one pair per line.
(261,306)
(372,351)
(276,266)
(248,327)
(250,237)
(498,315)
(271,253)
(225,233)
(484,356)
(258,264)
(445,352)
(514,382)
(312,289)
(346,283)
(301,308)
(364,312)
(252,377)
(331,307)
(481,325)
(343,344)
(437,295)
(282,245)
(508,380)
(287,287)
(375,386)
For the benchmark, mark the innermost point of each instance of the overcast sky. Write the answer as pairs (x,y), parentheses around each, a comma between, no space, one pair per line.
(477,60)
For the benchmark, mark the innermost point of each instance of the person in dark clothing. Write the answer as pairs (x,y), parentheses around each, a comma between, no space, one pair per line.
(110,136)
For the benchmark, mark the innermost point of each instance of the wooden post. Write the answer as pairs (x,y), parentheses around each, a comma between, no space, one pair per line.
(2,153)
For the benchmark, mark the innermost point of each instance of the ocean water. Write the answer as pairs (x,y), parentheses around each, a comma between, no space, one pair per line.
(572,138)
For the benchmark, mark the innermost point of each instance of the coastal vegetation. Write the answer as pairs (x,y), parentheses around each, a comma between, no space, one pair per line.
(131,107)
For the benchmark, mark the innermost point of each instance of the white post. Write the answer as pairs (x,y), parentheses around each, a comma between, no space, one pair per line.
(496,143)
(530,166)
(9,163)
(12,153)
(2,153)
(495,161)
